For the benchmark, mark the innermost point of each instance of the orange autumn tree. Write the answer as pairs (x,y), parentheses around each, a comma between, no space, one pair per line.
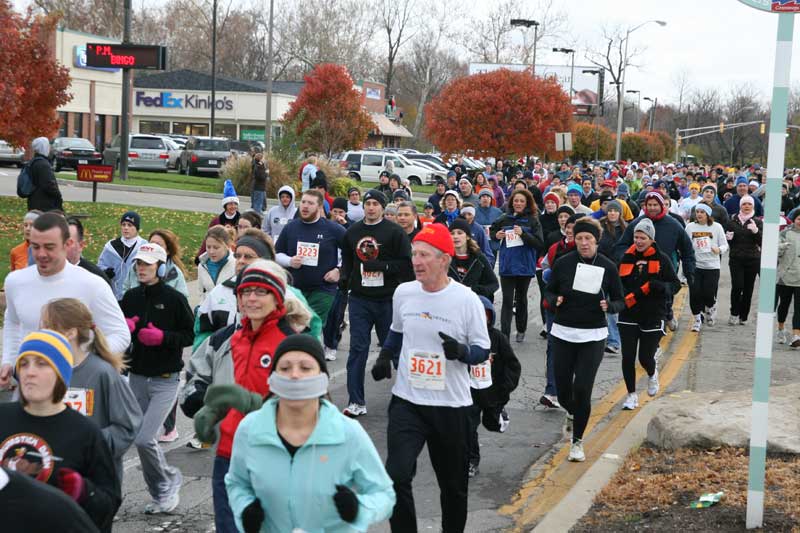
(498,114)
(32,84)
(329,112)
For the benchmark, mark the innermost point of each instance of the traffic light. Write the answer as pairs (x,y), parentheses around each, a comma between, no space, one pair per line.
(763,128)
(722,127)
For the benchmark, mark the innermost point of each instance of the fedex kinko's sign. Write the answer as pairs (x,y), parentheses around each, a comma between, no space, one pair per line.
(168,100)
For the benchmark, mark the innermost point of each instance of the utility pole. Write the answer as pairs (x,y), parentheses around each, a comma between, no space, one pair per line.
(652,114)
(268,121)
(526,23)
(570,51)
(213,67)
(125,126)
(638,105)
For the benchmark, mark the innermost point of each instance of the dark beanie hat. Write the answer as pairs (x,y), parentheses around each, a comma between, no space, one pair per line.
(565,209)
(132,217)
(374,194)
(339,203)
(587,225)
(301,343)
(462,224)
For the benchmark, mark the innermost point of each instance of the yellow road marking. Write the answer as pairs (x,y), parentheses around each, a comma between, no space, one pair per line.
(560,478)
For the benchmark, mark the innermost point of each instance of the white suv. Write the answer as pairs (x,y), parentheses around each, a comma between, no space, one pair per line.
(367,165)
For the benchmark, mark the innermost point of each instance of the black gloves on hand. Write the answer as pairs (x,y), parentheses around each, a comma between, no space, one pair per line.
(346,503)
(253,517)
(452,348)
(382,369)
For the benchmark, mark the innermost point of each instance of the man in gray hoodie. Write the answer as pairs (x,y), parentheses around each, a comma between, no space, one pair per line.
(281,214)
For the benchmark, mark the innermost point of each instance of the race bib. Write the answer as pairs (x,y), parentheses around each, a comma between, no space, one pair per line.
(427,370)
(702,244)
(309,252)
(588,278)
(480,376)
(371,279)
(81,400)
(512,239)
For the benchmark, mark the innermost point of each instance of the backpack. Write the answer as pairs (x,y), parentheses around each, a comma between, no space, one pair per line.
(25,185)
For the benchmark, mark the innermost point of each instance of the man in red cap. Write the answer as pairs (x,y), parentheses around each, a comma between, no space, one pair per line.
(610,185)
(439,329)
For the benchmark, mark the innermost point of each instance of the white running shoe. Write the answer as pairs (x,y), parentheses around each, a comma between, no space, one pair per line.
(576,454)
(330,354)
(742,321)
(795,341)
(652,384)
(781,336)
(169,501)
(711,317)
(631,402)
(698,323)
(672,324)
(355,410)
(733,320)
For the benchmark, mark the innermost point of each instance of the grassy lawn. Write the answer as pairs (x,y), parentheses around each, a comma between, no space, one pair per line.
(162,180)
(102,224)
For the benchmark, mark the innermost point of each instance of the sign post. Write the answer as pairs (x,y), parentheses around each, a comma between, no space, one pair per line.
(564,142)
(95,174)
(769,254)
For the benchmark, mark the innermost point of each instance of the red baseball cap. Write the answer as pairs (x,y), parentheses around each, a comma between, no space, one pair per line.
(438,236)
(610,183)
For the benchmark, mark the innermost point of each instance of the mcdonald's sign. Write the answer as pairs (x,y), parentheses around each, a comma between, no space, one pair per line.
(96,173)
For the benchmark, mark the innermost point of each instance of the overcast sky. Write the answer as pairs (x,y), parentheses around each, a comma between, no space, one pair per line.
(717,42)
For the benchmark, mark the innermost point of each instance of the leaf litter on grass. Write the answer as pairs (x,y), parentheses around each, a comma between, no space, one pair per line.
(654,488)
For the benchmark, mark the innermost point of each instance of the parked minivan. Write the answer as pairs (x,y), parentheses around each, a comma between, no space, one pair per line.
(204,154)
(367,165)
(145,152)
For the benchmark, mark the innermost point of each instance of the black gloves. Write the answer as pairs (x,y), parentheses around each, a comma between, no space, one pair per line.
(375,266)
(383,366)
(343,283)
(346,503)
(109,272)
(452,348)
(253,517)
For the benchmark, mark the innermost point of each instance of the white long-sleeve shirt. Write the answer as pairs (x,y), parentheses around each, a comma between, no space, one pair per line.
(27,293)
(705,237)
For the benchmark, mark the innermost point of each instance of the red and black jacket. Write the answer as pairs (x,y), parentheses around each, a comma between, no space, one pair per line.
(647,279)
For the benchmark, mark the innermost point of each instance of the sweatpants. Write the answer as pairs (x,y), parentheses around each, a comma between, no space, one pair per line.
(364,314)
(783,298)
(645,342)
(540,282)
(576,365)
(445,430)
(743,279)
(474,424)
(156,396)
(703,291)
(515,295)
(320,302)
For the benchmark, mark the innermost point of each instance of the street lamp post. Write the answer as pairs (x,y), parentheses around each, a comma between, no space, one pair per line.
(268,122)
(621,93)
(570,51)
(595,114)
(638,105)
(213,66)
(653,107)
(527,23)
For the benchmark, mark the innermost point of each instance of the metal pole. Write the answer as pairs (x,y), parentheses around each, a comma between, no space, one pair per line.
(596,139)
(621,99)
(268,120)
(125,125)
(733,144)
(677,142)
(769,259)
(572,78)
(535,38)
(213,66)
(638,106)
(653,113)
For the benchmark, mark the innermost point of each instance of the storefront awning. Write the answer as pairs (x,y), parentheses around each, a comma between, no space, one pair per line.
(388,128)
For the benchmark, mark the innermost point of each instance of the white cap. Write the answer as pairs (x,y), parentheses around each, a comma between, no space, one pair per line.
(151,253)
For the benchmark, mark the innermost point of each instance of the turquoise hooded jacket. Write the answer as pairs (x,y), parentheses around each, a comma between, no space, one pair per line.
(297,493)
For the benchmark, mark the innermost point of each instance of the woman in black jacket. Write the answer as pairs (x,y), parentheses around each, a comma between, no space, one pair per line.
(584,285)
(161,325)
(744,233)
(469,266)
(613,227)
(648,280)
(46,195)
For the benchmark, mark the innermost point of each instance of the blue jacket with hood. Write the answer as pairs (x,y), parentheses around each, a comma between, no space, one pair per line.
(519,260)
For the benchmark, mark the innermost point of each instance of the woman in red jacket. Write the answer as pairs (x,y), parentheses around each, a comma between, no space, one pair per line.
(267,318)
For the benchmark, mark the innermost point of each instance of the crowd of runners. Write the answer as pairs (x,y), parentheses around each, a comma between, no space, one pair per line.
(93,353)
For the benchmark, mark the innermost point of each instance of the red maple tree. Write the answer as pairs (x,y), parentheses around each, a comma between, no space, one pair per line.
(329,111)
(32,83)
(498,114)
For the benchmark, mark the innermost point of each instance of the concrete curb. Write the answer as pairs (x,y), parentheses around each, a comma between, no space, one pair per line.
(579,499)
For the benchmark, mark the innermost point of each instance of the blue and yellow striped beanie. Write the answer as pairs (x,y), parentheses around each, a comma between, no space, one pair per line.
(51,346)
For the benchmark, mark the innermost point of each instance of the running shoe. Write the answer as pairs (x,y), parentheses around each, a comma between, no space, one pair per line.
(652,384)
(170,501)
(520,336)
(355,410)
(196,444)
(330,354)
(782,336)
(170,436)
(549,401)
(795,341)
(576,454)
(631,401)
(742,321)
(473,470)
(733,320)
(612,349)
(672,324)
(698,323)
(504,421)
(711,318)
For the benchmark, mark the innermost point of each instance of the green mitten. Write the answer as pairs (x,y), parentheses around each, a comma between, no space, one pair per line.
(204,422)
(232,396)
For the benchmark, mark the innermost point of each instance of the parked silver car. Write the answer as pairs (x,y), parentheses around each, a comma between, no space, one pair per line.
(9,154)
(174,151)
(145,152)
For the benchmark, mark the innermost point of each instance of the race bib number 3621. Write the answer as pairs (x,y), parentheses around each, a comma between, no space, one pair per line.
(427,370)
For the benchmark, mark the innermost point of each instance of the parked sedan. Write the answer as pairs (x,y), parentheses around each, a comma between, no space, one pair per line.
(69,152)
(9,154)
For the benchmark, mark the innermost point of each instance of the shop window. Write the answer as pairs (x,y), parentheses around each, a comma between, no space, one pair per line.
(189,128)
(115,125)
(225,130)
(78,118)
(62,124)
(153,127)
